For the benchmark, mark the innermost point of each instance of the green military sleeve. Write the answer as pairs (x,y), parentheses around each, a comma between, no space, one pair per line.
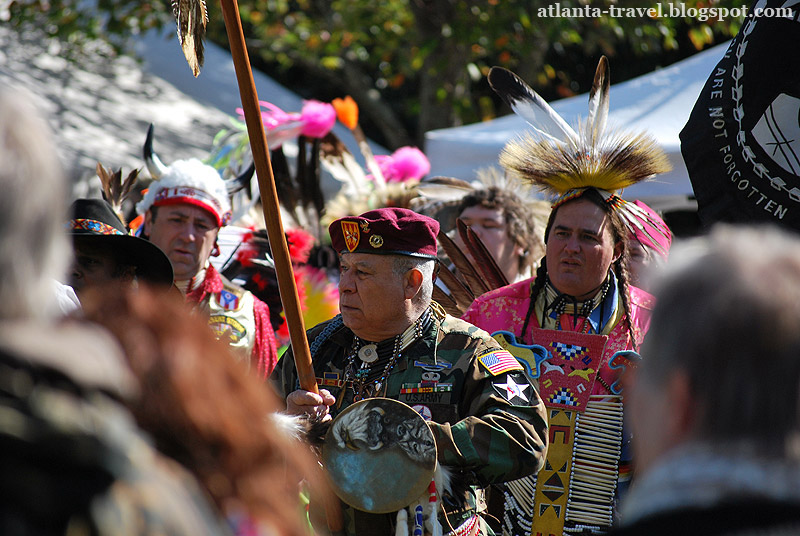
(503,435)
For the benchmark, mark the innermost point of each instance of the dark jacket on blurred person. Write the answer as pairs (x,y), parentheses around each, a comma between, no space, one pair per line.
(73,460)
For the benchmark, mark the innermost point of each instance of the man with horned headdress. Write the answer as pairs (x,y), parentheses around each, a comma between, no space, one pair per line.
(184,209)
(578,322)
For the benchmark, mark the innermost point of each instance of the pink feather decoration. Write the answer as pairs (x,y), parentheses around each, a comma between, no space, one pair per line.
(318,118)
(406,163)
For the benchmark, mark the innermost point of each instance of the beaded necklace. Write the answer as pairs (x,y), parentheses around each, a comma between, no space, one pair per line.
(367,381)
(562,304)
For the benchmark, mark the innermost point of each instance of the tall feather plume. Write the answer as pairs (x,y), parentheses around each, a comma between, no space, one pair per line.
(613,164)
(460,296)
(115,190)
(598,103)
(310,180)
(607,162)
(301,195)
(284,183)
(192,17)
(530,106)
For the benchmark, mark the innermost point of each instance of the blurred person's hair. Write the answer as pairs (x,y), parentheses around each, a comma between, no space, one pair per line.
(34,249)
(728,315)
(204,409)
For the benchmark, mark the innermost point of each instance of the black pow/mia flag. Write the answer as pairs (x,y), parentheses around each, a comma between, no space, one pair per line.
(741,144)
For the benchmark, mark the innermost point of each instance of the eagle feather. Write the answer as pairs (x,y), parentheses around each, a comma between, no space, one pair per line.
(192,17)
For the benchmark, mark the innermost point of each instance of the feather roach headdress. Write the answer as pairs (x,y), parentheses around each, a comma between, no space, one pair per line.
(565,162)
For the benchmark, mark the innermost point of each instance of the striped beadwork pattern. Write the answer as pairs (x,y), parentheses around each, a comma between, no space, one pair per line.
(595,464)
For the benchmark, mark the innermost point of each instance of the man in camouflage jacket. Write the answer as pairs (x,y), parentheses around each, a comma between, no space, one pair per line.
(483,410)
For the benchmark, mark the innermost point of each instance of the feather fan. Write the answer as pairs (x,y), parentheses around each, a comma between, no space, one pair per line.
(465,267)
(473,278)
(491,272)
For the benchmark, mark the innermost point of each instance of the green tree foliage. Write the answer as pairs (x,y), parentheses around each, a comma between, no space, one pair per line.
(416,65)
(87,27)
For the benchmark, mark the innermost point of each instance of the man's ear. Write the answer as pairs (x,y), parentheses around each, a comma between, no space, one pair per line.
(148,221)
(617,251)
(412,282)
(683,415)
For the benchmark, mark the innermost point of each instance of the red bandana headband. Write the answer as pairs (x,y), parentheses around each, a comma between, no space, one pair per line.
(193,196)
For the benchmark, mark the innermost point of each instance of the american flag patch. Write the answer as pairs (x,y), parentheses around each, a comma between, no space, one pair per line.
(499,361)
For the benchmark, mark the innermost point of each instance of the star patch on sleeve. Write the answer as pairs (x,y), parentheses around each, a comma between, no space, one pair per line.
(516,389)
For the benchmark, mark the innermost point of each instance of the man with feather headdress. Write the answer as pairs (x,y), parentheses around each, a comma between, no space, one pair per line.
(578,322)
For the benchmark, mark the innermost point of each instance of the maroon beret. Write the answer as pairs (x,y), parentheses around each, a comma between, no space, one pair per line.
(388,231)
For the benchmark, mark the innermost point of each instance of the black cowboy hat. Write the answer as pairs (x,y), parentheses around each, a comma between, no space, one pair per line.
(95,219)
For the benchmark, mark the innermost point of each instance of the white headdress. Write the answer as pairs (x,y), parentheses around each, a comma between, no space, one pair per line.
(189,181)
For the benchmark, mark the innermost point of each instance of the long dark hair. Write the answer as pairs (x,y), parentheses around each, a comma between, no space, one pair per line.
(619,234)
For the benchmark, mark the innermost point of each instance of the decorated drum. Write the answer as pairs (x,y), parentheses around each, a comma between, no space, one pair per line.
(380,455)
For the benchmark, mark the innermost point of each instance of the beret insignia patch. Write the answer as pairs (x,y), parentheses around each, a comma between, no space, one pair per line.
(351,234)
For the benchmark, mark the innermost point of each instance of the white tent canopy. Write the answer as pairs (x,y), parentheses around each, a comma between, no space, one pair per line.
(659,102)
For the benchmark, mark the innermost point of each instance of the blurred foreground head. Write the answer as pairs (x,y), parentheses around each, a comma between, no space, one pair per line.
(204,410)
(721,362)
(33,245)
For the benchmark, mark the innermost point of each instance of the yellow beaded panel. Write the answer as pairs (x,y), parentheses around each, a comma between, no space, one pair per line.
(552,482)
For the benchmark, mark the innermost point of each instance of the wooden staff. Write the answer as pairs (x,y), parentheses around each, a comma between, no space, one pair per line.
(272,218)
(269,197)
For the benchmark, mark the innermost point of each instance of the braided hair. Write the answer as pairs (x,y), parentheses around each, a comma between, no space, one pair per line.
(620,266)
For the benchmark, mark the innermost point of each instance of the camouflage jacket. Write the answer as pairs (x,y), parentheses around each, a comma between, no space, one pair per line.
(484,431)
